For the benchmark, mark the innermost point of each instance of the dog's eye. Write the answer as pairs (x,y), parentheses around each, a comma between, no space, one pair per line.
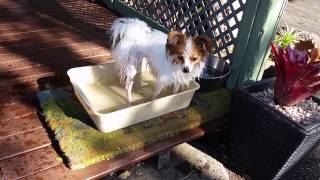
(193,59)
(180,57)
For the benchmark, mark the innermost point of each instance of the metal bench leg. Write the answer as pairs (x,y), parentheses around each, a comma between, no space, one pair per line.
(163,160)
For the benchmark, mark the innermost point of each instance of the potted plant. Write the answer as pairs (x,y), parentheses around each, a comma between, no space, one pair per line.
(275,122)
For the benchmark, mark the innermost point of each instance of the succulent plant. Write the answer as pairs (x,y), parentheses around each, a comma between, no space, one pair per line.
(296,79)
(287,37)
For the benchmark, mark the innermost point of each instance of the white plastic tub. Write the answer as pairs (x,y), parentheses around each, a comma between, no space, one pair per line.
(99,91)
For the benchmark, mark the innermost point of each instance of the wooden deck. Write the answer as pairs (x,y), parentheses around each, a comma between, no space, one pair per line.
(40,39)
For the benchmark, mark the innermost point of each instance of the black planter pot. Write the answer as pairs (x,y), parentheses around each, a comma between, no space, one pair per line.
(264,142)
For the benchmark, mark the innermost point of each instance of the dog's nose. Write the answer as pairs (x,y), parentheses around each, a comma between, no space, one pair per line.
(186,69)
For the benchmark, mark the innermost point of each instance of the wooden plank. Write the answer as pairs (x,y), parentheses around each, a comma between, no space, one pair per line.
(14,79)
(87,53)
(58,69)
(52,33)
(50,22)
(42,44)
(79,29)
(21,98)
(22,143)
(24,4)
(16,111)
(106,167)
(13,87)
(15,31)
(24,95)
(17,25)
(71,51)
(19,125)
(39,25)
(27,73)
(21,92)
(29,163)
(57,172)
(25,83)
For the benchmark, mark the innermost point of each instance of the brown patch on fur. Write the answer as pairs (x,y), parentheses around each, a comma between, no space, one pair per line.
(175,46)
(201,47)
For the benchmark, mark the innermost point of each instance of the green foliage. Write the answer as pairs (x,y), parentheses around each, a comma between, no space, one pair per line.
(287,37)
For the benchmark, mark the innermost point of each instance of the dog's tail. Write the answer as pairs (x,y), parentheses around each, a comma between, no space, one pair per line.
(131,29)
(128,38)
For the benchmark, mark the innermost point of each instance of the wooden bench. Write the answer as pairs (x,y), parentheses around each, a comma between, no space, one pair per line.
(45,38)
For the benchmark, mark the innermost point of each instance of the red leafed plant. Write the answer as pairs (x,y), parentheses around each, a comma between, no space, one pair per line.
(296,79)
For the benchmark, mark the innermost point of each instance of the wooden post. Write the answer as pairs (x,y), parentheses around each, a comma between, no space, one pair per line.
(163,159)
(109,3)
(257,28)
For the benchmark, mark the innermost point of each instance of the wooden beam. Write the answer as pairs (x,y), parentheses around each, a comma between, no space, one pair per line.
(255,34)
(122,161)
(241,44)
(106,167)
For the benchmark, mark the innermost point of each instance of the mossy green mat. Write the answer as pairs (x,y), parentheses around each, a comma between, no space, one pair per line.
(83,145)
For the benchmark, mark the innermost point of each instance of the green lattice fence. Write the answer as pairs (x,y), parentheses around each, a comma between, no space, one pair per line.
(241,29)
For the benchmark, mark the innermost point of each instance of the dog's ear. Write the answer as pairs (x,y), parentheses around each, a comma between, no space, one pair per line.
(175,37)
(203,42)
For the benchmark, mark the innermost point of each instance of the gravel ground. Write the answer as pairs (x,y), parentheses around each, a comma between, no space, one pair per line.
(305,112)
(147,170)
(303,15)
(177,169)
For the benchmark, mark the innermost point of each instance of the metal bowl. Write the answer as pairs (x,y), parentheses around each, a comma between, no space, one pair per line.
(214,74)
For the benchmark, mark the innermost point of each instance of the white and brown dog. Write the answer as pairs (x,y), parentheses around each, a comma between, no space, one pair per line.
(174,58)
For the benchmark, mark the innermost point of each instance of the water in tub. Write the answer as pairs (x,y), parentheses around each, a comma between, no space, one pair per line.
(111,96)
